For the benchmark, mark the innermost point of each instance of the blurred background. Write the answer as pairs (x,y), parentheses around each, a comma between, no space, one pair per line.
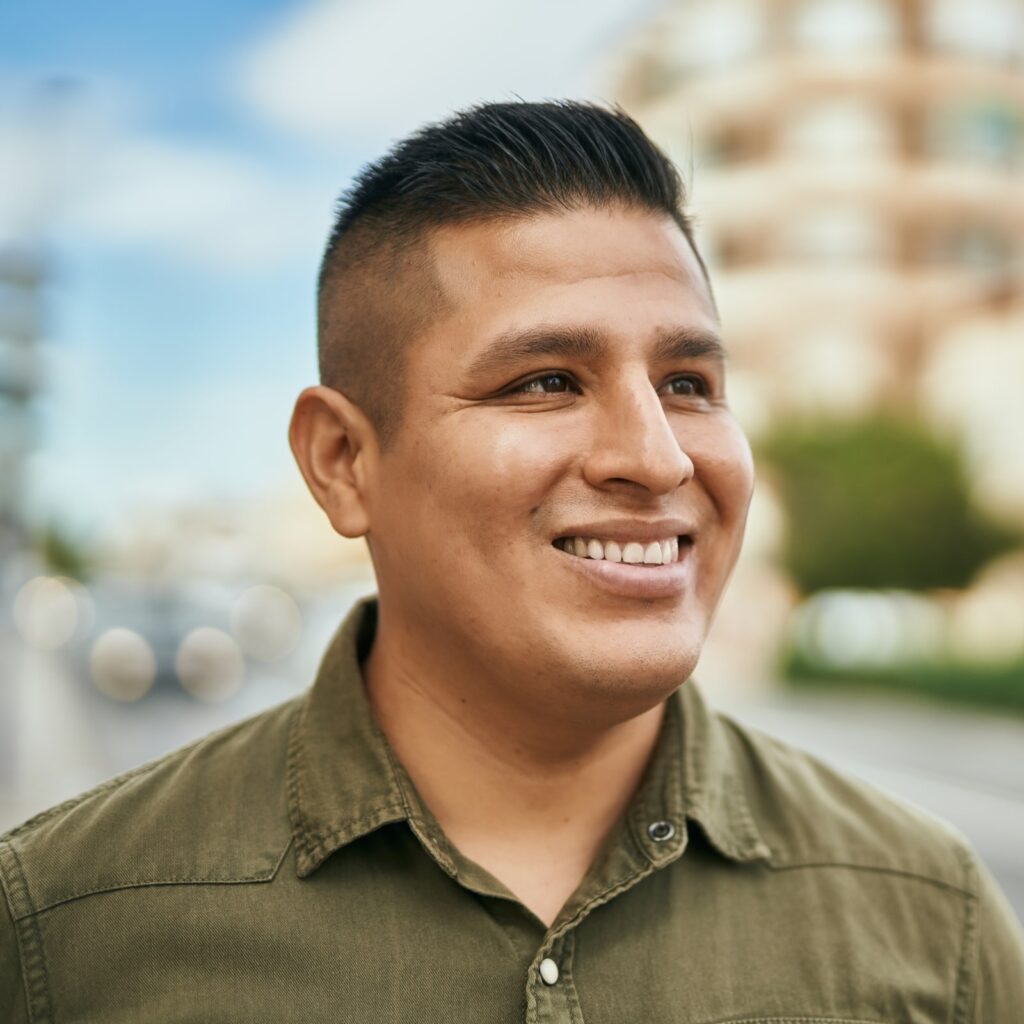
(167,177)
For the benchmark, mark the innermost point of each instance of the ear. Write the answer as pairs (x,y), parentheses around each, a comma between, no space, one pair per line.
(335,446)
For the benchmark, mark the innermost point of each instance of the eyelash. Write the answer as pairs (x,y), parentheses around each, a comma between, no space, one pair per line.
(703,388)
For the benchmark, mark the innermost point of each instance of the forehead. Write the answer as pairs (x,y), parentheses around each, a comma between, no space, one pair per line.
(487,265)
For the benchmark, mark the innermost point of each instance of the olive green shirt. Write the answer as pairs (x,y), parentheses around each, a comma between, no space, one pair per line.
(285,869)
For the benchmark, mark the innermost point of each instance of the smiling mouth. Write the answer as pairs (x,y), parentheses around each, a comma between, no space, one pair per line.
(645,555)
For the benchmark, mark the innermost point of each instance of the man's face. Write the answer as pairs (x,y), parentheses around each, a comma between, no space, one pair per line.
(573,388)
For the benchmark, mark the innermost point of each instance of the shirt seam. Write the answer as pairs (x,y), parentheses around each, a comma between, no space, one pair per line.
(261,877)
(966,978)
(645,868)
(104,787)
(125,777)
(315,843)
(302,833)
(743,840)
(321,838)
(416,821)
(877,868)
(34,972)
(797,1020)
(571,992)
(743,821)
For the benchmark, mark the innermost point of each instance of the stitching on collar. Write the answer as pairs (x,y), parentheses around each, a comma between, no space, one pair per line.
(419,824)
(316,840)
(719,804)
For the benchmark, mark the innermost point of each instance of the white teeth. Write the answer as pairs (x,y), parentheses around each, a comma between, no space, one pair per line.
(633,553)
(653,554)
(657,552)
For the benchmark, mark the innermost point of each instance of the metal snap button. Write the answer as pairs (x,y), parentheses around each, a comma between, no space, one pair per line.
(659,831)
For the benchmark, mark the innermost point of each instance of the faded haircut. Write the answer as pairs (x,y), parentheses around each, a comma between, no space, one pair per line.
(495,161)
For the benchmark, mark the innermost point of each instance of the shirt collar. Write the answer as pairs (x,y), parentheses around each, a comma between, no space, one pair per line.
(716,796)
(344,780)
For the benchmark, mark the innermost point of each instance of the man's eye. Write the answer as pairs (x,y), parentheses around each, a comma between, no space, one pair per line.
(548,384)
(691,386)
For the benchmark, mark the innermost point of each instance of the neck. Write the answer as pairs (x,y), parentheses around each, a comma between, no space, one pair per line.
(506,782)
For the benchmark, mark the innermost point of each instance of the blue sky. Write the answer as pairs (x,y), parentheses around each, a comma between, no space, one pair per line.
(183,191)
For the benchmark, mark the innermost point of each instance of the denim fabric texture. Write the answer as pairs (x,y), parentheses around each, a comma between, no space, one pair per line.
(285,869)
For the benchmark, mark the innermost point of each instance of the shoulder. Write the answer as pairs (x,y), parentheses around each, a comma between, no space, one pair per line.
(812,814)
(213,811)
(870,857)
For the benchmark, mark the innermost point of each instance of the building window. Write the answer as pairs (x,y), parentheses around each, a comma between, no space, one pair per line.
(835,235)
(989,132)
(834,367)
(983,28)
(973,246)
(846,26)
(719,33)
(842,128)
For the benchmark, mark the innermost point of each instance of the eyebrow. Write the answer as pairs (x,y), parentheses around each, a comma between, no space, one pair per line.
(515,347)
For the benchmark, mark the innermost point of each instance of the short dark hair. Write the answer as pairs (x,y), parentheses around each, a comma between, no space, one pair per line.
(493,161)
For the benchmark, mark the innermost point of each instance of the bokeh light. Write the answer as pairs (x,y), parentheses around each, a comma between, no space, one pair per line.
(266,622)
(50,611)
(122,664)
(865,628)
(210,665)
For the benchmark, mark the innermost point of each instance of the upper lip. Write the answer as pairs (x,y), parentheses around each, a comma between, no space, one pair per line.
(625,530)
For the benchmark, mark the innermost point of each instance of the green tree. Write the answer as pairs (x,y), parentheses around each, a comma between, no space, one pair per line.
(877,503)
(60,552)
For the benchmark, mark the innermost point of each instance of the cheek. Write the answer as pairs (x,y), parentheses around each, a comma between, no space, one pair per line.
(480,476)
(723,461)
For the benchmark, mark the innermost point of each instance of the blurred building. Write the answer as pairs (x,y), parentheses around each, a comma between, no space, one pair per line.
(21,282)
(856,174)
(280,535)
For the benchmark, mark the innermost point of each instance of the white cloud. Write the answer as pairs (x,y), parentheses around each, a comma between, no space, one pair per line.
(358,73)
(351,74)
(76,164)
(210,206)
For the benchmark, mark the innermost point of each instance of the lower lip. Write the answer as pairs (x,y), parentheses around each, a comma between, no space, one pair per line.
(645,581)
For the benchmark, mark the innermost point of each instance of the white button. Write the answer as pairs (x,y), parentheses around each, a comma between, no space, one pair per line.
(548,971)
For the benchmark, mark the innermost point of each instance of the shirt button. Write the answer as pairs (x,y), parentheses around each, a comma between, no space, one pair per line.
(548,971)
(659,831)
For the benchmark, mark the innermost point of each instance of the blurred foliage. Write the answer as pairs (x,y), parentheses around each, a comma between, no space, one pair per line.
(992,686)
(60,553)
(877,503)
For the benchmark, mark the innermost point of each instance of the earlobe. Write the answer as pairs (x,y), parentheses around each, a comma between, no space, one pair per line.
(328,437)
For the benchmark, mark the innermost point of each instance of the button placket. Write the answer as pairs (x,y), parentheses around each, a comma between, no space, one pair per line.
(551,993)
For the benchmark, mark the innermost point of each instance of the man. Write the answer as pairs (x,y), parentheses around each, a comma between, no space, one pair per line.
(504,799)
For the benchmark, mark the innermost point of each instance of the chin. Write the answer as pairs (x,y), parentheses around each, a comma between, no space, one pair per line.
(633,674)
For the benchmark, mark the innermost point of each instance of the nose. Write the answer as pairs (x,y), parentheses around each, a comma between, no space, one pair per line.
(634,443)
